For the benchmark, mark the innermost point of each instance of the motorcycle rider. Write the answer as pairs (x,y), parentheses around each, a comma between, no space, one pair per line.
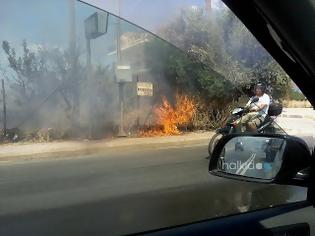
(257,110)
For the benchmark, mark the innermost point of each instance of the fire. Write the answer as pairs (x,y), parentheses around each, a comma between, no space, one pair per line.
(169,118)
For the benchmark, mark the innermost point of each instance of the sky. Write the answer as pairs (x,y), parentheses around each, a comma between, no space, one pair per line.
(45,23)
(42,23)
(47,20)
(150,14)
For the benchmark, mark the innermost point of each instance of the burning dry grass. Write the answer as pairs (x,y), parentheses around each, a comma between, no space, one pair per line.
(169,118)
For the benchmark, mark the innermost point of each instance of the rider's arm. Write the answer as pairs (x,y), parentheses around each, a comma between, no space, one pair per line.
(258,107)
(248,103)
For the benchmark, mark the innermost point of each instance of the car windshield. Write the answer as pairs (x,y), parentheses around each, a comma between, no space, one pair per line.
(109,111)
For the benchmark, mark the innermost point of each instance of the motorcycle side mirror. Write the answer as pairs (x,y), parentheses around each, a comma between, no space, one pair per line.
(262,158)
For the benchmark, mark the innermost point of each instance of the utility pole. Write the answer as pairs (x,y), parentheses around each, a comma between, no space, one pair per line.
(208,7)
(4,110)
(121,131)
(88,73)
(72,27)
(75,113)
(138,106)
(95,26)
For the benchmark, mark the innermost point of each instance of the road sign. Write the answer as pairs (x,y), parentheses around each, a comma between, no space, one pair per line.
(123,73)
(144,89)
(96,25)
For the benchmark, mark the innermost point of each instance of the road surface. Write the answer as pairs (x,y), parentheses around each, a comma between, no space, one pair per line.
(123,190)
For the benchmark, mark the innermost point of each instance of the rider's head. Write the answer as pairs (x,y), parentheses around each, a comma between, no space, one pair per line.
(260,89)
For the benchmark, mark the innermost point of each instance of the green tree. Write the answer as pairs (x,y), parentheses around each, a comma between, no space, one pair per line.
(271,74)
(223,44)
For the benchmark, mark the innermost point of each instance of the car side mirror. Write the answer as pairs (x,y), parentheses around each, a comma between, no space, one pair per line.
(263,158)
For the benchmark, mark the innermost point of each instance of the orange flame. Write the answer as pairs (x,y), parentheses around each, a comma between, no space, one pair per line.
(169,117)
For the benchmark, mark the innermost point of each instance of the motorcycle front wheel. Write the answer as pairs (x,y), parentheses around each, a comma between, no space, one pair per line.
(214,140)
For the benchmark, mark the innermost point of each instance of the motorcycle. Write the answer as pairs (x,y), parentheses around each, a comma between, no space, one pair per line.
(275,109)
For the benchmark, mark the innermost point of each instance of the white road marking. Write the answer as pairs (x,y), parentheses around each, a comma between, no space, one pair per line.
(246,167)
(244,164)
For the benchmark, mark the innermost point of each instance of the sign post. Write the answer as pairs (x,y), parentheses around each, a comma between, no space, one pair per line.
(123,75)
(143,89)
(95,26)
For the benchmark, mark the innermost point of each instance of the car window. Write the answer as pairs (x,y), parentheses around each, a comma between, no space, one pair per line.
(112,117)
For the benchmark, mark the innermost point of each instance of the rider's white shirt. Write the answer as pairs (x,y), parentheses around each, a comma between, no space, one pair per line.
(264,99)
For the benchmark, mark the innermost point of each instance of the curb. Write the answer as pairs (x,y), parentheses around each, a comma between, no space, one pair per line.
(291,116)
(99,147)
(298,116)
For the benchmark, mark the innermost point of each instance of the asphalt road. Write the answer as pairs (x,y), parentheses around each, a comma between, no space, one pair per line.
(123,190)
